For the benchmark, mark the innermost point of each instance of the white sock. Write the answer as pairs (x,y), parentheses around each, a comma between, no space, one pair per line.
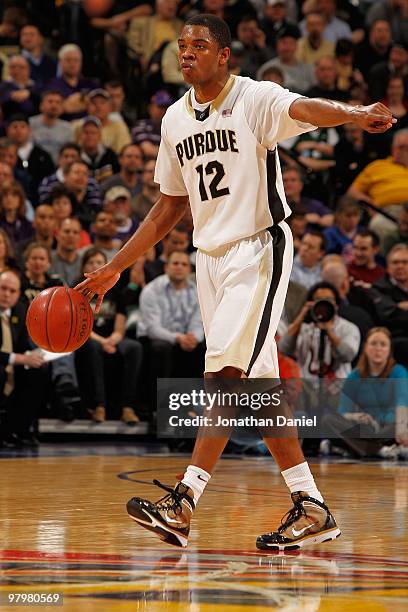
(197,480)
(300,478)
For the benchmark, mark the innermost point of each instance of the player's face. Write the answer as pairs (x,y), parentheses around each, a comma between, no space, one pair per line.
(201,59)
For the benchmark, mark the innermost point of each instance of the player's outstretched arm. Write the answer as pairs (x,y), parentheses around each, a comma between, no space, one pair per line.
(164,215)
(375,118)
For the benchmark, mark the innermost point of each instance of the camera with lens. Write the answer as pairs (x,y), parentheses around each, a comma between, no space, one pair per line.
(322,311)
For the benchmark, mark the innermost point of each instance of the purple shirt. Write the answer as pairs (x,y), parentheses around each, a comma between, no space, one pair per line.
(84,85)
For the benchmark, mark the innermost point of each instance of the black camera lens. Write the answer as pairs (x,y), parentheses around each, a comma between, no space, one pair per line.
(322,311)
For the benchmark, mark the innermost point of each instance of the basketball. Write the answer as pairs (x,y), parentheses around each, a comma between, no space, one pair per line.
(97,8)
(59,319)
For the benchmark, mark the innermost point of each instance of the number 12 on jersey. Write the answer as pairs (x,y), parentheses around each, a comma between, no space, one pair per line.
(216,168)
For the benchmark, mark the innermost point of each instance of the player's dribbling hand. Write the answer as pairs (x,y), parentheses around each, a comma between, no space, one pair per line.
(375,118)
(98,283)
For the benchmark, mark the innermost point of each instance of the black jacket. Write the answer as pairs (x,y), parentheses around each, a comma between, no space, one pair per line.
(19,333)
(386,298)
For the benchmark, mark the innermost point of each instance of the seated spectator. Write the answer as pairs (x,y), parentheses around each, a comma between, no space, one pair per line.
(171,321)
(147,132)
(369,409)
(101,161)
(119,108)
(363,267)
(400,234)
(118,202)
(147,34)
(348,77)
(106,346)
(12,213)
(297,76)
(6,176)
(351,154)
(131,166)
(326,81)
(104,231)
(44,225)
(32,159)
(375,48)
(19,94)
(150,191)
(336,273)
(171,70)
(130,296)
(24,386)
(393,11)
(275,20)
(273,74)
(335,28)
(115,134)
(49,131)
(316,149)
(379,75)
(316,212)
(70,82)
(42,66)
(176,240)
(256,51)
(7,253)
(64,206)
(36,277)
(65,260)
(13,19)
(87,198)
(8,155)
(346,224)
(298,225)
(392,304)
(306,268)
(341,339)
(397,101)
(384,183)
(313,45)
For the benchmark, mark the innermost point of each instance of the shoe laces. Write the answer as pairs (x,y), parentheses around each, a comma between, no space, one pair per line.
(171,501)
(292,515)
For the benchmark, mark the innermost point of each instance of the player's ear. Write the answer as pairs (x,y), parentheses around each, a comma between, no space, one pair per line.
(224,56)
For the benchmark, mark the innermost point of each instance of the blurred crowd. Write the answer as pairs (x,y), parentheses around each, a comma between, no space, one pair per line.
(81,103)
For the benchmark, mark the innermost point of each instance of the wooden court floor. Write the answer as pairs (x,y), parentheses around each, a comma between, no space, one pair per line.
(63,529)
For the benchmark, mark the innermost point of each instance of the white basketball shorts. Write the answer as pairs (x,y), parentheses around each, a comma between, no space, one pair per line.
(242,289)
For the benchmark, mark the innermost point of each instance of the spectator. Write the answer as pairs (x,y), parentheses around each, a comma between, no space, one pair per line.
(42,67)
(397,101)
(297,75)
(346,220)
(70,83)
(170,68)
(19,94)
(150,191)
(24,380)
(392,305)
(87,199)
(118,202)
(313,45)
(363,266)
(252,38)
(107,346)
(384,183)
(336,273)
(351,154)
(275,20)
(316,149)
(326,85)
(32,159)
(230,12)
(148,33)
(13,19)
(37,262)
(8,155)
(101,161)
(298,225)
(335,28)
(237,59)
(44,225)
(65,260)
(104,231)
(130,296)
(273,74)
(7,253)
(12,213)
(348,77)
(375,49)
(400,234)
(117,95)
(147,132)
(307,263)
(48,130)
(131,166)
(379,75)
(171,321)
(115,134)
(340,341)
(369,409)
(176,240)
(393,11)
(64,205)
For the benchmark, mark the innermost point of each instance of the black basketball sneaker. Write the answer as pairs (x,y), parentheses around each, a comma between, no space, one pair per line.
(308,522)
(169,517)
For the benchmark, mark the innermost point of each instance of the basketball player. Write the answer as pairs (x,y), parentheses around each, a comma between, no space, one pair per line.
(219,152)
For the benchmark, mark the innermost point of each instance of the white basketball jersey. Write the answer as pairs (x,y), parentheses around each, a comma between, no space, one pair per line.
(227,164)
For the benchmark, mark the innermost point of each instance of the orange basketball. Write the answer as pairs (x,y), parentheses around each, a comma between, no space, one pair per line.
(97,8)
(59,319)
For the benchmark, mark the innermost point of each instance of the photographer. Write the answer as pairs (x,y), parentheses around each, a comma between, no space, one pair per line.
(323,343)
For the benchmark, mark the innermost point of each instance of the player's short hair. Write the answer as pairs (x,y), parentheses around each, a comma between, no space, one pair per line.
(217,28)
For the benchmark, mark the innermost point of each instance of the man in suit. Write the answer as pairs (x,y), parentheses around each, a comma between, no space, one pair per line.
(22,377)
